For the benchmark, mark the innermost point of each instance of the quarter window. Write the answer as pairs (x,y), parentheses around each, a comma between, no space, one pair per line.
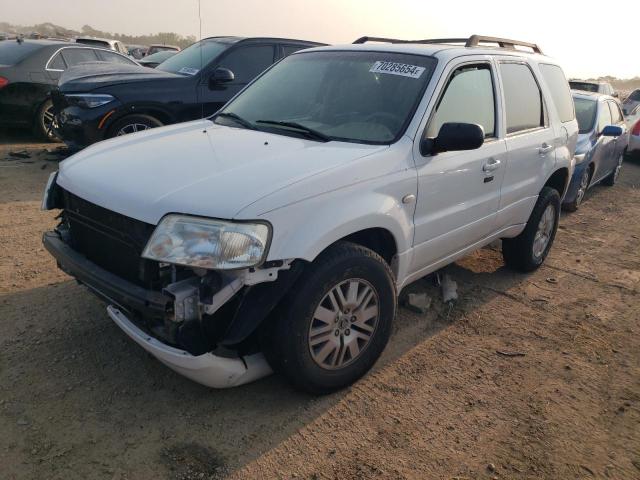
(57,63)
(522,97)
(468,98)
(74,56)
(604,117)
(560,93)
(247,62)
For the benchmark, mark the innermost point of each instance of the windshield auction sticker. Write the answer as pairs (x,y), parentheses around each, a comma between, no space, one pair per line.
(188,70)
(401,69)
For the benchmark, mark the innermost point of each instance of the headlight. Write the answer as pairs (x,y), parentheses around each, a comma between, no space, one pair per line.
(207,243)
(579,158)
(89,100)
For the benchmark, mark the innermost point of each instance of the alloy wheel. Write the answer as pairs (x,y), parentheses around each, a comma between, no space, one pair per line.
(132,128)
(343,324)
(544,232)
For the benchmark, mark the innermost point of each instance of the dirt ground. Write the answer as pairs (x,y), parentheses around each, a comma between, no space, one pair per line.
(79,400)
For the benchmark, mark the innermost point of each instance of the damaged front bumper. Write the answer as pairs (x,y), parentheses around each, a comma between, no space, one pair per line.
(208,369)
(219,361)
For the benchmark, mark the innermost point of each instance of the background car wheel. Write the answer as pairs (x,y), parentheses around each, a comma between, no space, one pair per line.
(582,191)
(334,324)
(613,176)
(44,122)
(527,251)
(133,124)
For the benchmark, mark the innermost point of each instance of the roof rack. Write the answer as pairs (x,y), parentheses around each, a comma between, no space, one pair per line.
(472,41)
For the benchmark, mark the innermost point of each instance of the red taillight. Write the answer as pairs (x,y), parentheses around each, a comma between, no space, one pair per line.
(636,129)
(3,82)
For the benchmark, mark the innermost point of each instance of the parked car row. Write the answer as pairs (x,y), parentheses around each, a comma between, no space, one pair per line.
(277,232)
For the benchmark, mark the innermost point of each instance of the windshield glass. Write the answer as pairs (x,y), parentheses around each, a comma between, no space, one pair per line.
(191,60)
(364,97)
(584,86)
(12,52)
(585,113)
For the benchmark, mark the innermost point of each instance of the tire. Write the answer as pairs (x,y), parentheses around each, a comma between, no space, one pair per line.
(523,253)
(582,190)
(132,124)
(299,340)
(43,121)
(611,180)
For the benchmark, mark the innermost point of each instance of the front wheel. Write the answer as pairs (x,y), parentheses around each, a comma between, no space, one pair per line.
(582,190)
(133,124)
(334,325)
(527,251)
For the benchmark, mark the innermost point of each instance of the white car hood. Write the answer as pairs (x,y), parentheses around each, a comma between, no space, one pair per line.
(197,168)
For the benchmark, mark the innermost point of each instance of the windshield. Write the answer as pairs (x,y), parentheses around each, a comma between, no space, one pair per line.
(585,113)
(13,52)
(364,97)
(191,60)
(584,86)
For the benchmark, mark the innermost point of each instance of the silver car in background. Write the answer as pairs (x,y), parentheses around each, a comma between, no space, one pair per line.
(593,86)
(633,123)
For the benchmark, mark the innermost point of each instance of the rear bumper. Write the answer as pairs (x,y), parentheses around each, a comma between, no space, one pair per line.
(208,369)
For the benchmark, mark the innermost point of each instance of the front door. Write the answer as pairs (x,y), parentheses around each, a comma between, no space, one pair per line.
(459,192)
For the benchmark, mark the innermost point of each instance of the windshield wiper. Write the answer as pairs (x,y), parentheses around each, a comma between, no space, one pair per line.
(309,132)
(238,119)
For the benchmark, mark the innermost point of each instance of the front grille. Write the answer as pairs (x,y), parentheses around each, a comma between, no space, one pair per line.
(111,240)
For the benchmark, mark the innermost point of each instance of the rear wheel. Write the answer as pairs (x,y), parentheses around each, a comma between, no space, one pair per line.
(334,325)
(527,251)
(133,124)
(45,121)
(613,176)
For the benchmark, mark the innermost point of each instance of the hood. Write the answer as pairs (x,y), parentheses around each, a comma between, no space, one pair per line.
(89,76)
(197,168)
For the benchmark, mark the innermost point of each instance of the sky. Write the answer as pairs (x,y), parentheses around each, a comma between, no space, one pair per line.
(588,42)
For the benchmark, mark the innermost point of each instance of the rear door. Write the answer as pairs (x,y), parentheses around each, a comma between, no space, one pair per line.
(246,62)
(531,141)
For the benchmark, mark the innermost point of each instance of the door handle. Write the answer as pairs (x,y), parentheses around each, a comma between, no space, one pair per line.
(545,148)
(491,165)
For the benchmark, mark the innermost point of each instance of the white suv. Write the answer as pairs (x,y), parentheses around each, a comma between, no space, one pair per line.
(286,224)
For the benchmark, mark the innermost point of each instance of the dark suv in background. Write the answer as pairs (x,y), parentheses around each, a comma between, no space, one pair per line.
(30,69)
(94,104)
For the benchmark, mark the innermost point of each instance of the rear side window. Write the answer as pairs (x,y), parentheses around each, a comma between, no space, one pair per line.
(247,62)
(468,98)
(522,97)
(560,93)
(74,56)
(604,117)
(616,114)
(57,63)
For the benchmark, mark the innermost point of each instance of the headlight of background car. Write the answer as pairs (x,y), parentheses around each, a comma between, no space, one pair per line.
(207,243)
(89,100)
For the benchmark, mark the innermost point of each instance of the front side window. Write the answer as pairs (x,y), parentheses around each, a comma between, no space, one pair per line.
(75,56)
(522,97)
(468,98)
(604,117)
(191,60)
(586,110)
(635,96)
(246,63)
(560,93)
(616,114)
(364,97)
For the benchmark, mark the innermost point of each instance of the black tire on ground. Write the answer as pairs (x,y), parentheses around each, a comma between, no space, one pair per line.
(289,349)
(575,204)
(133,123)
(518,252)
(611,180)
(42,122)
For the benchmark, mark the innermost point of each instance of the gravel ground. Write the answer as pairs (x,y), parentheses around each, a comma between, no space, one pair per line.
(79,400)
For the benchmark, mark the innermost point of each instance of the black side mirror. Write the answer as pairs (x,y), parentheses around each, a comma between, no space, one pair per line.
(454,136)
(221,75)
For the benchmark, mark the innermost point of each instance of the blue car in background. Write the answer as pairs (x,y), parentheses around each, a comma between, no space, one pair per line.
(602,144)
